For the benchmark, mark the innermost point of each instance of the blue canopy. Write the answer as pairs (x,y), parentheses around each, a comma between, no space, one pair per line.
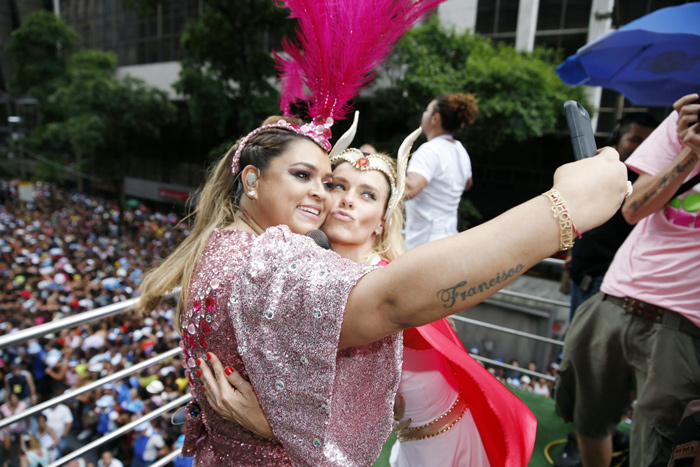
(652,60)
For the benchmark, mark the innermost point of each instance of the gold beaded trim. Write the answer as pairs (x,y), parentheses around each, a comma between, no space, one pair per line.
(567,231)
(430,430)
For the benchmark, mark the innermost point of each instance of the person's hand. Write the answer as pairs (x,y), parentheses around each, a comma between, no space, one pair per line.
(687,114)
(692,138)
(233,397)
(593,188)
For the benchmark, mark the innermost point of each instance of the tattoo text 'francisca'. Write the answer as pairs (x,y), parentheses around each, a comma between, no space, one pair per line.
(461,292)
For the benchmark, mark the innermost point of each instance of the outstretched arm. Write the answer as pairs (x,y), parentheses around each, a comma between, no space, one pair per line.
(440,278)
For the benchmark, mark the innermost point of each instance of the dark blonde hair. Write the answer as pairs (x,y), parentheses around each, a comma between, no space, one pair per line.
(457,111)
(216,206)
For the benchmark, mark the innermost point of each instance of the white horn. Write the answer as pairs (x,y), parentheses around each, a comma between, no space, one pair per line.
(344,141)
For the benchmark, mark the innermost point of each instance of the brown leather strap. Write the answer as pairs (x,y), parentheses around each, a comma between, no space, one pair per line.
(639,308)
(653,313)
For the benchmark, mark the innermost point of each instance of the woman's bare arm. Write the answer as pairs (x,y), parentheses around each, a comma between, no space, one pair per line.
(443,277)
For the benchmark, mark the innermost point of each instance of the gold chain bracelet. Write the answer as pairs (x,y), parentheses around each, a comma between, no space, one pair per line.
(567,229)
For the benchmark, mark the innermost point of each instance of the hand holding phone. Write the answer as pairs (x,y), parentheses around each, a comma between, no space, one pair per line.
(580,129)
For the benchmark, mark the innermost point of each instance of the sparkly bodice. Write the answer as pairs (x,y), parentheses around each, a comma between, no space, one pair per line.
(271,307)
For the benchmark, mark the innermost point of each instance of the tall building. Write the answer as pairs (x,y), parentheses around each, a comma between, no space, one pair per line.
(147,44)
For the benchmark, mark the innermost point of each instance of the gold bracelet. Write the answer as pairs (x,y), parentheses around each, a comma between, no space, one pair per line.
(567,230)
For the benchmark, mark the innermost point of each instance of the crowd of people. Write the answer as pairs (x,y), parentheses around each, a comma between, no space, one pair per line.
(64,253)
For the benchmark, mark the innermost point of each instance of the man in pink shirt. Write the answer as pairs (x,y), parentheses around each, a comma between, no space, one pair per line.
(641,334)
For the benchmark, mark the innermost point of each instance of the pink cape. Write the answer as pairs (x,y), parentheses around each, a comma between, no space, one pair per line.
(506,425)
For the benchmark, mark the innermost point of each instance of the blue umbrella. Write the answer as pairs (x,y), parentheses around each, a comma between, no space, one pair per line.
(652,60)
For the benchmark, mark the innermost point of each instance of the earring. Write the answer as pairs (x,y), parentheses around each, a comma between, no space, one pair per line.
(251,193)
(251,178)
(378,230)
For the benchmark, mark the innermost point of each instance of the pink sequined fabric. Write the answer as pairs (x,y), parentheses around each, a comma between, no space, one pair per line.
(272,307)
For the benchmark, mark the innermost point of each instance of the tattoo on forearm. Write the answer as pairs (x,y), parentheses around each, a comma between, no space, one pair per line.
(663,182)
(460,292)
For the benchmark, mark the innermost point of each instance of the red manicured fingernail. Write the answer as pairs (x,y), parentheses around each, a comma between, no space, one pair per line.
(199,373)
(204,389)
(209,355)
(199,362)
(228,370)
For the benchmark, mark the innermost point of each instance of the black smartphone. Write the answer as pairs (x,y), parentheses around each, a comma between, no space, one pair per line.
(580,129)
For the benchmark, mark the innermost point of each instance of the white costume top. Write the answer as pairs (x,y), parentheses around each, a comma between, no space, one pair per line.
(429,388)
(432,214)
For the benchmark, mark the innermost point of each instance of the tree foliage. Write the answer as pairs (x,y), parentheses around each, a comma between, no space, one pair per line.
(40,50)
(229,72)
(100,122)
(520,96)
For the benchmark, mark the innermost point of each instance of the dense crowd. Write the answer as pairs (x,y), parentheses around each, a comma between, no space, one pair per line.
(65,253)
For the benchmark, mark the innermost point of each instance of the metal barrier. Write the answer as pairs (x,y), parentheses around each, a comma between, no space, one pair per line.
(123,430)
(508,330)
(511,367)
(89,387)
(126,305)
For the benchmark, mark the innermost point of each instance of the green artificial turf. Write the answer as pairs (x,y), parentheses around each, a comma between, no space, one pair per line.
(549,428)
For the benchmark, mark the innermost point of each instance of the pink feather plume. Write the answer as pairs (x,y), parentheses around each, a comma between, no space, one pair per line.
(340,45)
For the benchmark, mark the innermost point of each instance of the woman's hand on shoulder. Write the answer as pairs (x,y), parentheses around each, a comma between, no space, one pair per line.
(593,188)
(233,397)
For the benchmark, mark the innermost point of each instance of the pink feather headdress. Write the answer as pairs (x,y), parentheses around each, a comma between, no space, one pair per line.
(340,44)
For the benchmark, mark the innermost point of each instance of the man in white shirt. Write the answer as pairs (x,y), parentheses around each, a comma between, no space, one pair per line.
(60,420)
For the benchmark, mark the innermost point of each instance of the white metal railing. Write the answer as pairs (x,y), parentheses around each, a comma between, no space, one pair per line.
(90,386)
(511,367)
(514,332)
(123,430)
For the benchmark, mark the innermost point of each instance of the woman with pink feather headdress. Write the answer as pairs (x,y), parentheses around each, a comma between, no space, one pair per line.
(317,335)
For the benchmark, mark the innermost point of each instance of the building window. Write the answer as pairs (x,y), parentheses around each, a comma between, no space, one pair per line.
(135,40)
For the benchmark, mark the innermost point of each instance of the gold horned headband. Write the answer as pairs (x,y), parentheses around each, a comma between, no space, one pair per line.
(362,161)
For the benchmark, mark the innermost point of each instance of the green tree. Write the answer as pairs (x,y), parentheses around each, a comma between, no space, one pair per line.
(107,123)
(40,50)
(104,123)
(229,73)
(520,96)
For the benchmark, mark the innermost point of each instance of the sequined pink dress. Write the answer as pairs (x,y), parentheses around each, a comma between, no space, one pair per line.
(272,307)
